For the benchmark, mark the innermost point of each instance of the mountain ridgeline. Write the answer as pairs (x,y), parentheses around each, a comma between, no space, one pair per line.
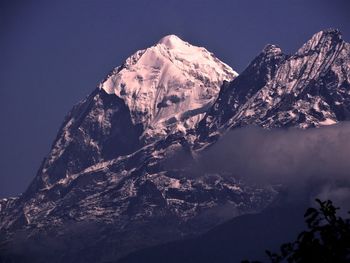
(119,176)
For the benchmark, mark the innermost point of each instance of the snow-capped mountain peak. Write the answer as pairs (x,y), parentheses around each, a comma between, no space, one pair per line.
(168,86)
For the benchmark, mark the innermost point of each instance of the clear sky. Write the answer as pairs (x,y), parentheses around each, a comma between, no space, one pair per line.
(54,53)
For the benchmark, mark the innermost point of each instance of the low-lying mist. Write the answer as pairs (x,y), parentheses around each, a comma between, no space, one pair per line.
(315,161)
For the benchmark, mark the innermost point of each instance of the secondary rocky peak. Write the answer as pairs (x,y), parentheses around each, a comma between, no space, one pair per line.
(272,49)
(308,89)
(330,33)
(323,40)
(271,56)
(236,93)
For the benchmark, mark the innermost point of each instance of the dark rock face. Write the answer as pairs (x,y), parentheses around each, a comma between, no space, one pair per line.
(235,94)
(103,187)
(98,128)
(308,89)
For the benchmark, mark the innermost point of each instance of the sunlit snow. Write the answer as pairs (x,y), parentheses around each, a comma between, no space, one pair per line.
(168,86)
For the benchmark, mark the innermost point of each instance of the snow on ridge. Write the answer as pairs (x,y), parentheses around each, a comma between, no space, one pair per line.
(172,41)
(166,82)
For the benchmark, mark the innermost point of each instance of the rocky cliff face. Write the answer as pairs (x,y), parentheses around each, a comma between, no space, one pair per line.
(235,94)
(307,89)
(119,176)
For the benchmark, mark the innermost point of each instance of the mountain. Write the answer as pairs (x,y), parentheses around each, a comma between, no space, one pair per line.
(156,92)
(108,171)
(120,175)
(307,89)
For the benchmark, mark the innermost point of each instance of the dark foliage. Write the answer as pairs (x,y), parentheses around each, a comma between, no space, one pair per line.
(326,240)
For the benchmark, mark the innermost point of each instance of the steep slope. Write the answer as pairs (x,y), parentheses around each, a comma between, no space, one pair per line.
(235,94)
(169,86)
(98,128)
(308,89)
(156,92)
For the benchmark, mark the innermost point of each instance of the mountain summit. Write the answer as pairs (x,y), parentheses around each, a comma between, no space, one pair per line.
(305,90)
(169,86)
(171,41)
(157,91)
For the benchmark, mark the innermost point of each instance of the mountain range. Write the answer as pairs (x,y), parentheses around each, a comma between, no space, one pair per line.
(122,174)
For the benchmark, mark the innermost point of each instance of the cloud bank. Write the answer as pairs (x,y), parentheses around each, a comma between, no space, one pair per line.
(315,160)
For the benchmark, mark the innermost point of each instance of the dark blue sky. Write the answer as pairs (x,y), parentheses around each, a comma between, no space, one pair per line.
(54,53)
